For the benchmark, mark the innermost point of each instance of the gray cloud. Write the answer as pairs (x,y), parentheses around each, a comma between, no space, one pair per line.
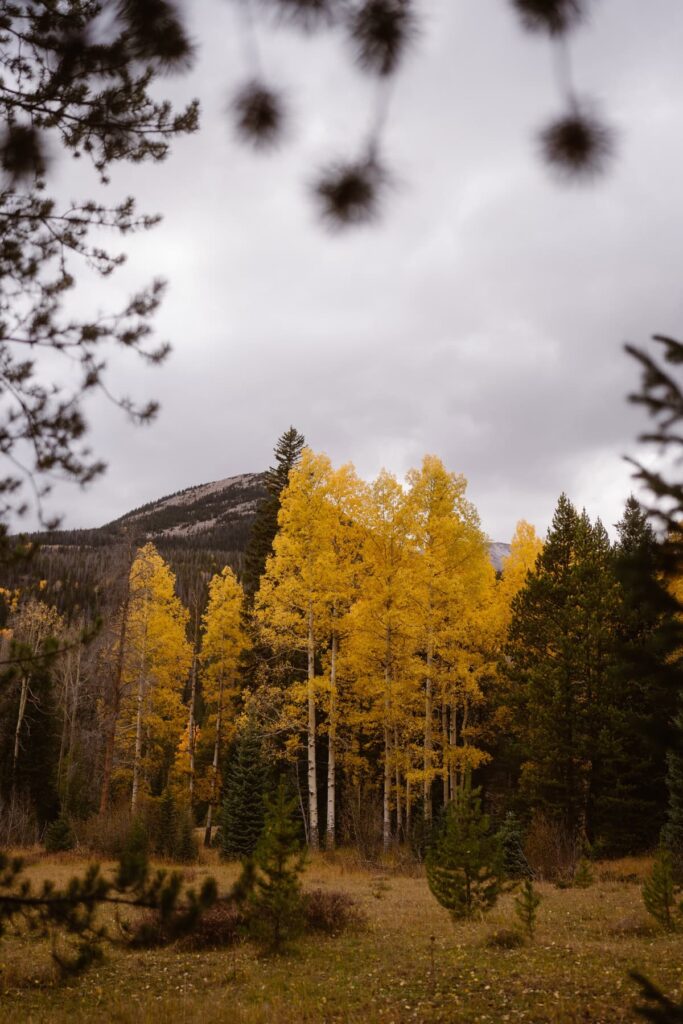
(482,319)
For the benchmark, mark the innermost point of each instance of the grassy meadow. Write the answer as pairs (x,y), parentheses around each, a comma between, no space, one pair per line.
(405,961)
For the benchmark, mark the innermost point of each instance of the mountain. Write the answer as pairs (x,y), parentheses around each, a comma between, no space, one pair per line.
(198,530)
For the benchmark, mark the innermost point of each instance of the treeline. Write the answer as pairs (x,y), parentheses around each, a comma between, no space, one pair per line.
(375,659)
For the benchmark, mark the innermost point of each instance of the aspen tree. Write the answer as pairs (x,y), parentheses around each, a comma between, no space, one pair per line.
(345,496)
(223,642)
(156,662)
(290,605)
(452,559)
(381,642)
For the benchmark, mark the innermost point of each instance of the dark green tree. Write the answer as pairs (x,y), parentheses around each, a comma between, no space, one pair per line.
(642,689)
(557,666)
(660,891)
(287,453)
(59,836)
(167,829)
(465,862)
(527,903)
(243,808)
(274,872)
(672,833)
(511,838)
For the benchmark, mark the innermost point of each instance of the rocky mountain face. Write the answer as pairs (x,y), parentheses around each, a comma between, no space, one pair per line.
(198,530)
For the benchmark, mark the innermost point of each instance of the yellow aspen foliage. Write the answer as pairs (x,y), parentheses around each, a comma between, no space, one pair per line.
(525,548)
(453,590)
(156,662)
(292,604)
(380,650)
(223,643)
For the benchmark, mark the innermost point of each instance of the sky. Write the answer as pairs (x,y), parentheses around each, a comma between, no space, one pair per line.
(482,319)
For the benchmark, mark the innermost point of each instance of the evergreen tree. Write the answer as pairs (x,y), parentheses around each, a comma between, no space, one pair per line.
(659,891)
(168,825)
(631,807)
(511,838)
(59,836)
(243,808)
(464,864)
(556,669)
(287,454)
(672,833)
(526,907)
(275,897)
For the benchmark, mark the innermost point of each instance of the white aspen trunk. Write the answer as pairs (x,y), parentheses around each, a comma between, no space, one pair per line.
(453,740)
(23,697)
(191,725)
(386,801)
(428,740)
(313,828)
(115,705)
(137,757)
(214,769)
(332,750)
(397,783)
(408,807)
(445,758)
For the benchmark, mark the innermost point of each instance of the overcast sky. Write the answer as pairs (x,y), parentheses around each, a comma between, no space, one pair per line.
(482,319)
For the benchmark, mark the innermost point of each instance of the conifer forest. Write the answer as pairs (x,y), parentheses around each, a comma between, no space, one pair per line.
(392,730)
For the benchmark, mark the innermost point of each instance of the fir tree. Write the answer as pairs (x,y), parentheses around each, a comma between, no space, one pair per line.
(287,453)
(659,891)
(243,808)
(275,898)
(168,825)
(464,864)
(59,836)
(186,848)
(556,669)
(643,682)
(672,833)
(511,838)
(526,907)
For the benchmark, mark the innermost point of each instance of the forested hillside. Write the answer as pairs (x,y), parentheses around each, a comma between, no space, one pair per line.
(361,645)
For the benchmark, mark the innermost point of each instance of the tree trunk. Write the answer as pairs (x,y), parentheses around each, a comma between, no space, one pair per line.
(399,814)
(445,758)
(332,750)
(313,828)
(191,725)
(454,743)
(214,769)
(112,717)
(428,741)
(23,697)
(386,803)
(137,758)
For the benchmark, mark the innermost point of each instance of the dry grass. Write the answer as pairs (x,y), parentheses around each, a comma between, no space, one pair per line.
(407,963)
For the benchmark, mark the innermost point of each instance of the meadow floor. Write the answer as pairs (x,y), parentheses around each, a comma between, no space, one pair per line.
(388,970)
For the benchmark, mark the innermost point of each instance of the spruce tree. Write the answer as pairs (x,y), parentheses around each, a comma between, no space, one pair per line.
(643,682)
(287,453)
(556,669)
(672,833)
(659,891)
(168,825)
(243,808)
(275,898)
(526,907)
(465,863)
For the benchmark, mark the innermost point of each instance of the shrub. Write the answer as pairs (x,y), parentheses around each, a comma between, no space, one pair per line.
(220,926)
(551,850)
(329,911)
(504,938)
(106,834)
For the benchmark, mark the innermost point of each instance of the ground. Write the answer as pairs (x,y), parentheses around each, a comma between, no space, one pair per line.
(407,962)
